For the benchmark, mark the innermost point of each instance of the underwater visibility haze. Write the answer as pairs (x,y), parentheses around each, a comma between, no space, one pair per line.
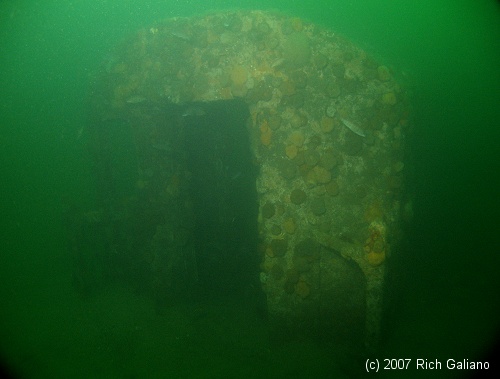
(69,158)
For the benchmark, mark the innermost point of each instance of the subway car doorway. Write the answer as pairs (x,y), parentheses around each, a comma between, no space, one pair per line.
(222,189)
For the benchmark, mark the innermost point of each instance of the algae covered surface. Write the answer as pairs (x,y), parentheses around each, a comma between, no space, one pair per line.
(413,112)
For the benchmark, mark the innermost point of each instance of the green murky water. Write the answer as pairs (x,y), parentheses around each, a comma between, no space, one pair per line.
(443,285)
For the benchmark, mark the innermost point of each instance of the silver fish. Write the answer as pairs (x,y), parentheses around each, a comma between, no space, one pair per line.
(278,63)
(162,147)
(194,111)
(353,128)
(236,176)
(136,99)
(180,34)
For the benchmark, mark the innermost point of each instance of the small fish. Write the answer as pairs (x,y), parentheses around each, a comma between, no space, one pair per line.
(136,99)
(236,176)
(278,63)
(80,132)
(163,147)
(193,111)
(181,35)
(353,128)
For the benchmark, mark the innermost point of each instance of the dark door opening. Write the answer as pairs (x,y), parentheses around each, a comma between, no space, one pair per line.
(222,189)
(177,203)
